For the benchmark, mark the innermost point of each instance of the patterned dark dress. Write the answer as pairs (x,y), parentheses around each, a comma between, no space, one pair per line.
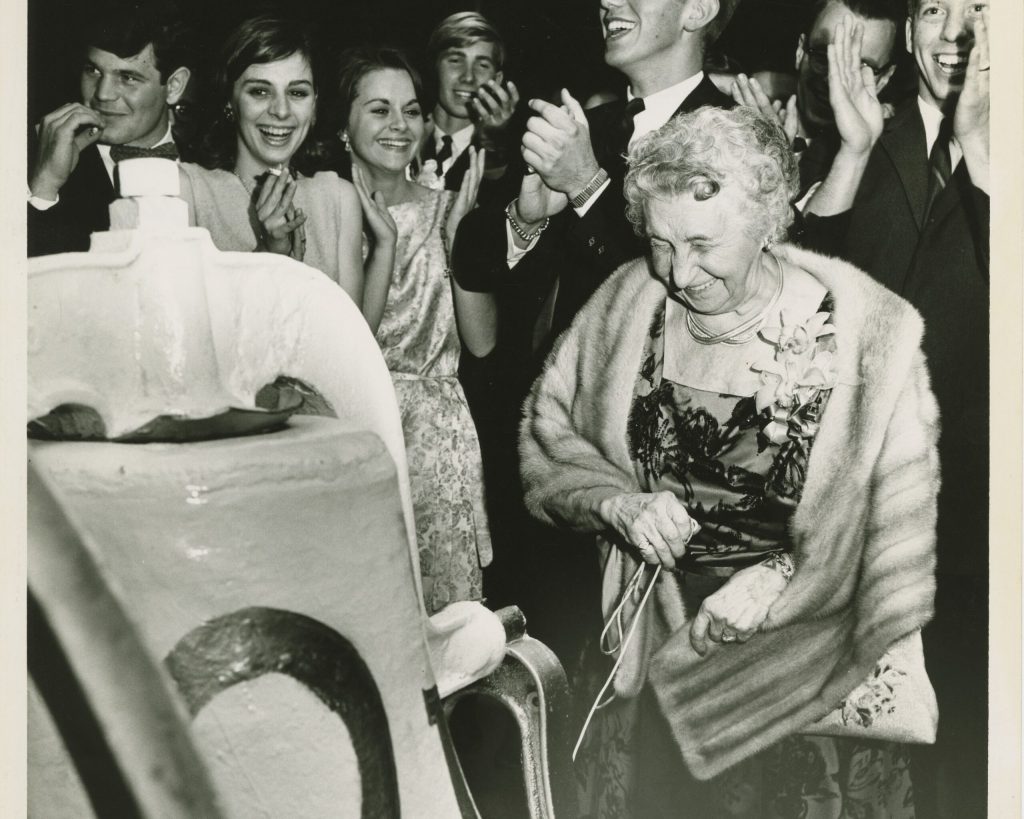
(709,449)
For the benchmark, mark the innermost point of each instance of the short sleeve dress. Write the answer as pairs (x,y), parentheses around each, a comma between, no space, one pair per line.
(418,336)
(710,450)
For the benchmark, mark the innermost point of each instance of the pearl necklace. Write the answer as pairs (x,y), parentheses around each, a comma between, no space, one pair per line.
(741,333)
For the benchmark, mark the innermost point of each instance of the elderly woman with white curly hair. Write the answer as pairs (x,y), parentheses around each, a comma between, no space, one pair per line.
(749,429)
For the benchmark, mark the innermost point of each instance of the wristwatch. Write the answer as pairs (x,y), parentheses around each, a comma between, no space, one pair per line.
(581,198)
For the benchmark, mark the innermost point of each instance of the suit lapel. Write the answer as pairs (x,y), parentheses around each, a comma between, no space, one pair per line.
(952,194)
(89,193)
(606,135)
(90,177)
(904,143)
(706,93)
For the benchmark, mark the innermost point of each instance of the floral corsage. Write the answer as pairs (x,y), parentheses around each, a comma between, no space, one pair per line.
(795,384)
(428,176)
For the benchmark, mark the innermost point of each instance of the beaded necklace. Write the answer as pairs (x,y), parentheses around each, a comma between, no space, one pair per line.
(741,333)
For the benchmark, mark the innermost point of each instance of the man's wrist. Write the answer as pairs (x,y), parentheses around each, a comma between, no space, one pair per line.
(43,188)
(581,197)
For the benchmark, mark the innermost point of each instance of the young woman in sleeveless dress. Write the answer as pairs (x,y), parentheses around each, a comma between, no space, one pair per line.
(421,316)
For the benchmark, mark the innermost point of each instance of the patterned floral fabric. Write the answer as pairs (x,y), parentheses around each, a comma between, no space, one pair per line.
(421,347)
(710,450)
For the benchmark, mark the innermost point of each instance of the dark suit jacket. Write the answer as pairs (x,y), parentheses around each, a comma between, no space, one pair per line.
(939,262)
(81,210)
(578,253)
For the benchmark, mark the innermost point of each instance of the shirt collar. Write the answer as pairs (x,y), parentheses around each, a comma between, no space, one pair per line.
(460,139)
(109,163)
(661,105)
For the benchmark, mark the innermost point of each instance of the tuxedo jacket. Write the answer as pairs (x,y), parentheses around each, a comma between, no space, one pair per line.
(577,253)
(939,261)
(83,208)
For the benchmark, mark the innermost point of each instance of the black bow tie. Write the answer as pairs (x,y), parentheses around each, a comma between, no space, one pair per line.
(167,150)
(633,107)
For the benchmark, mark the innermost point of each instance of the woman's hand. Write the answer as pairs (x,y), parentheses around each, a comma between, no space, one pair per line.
(747,91)
(279,220)
(737,610)
(657,524)
(851,89)
(466,197)
(375,211)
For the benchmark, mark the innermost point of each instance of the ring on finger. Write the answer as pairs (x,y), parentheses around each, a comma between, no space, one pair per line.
(728,637)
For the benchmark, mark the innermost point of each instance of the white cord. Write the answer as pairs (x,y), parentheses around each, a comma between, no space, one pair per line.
(616,617)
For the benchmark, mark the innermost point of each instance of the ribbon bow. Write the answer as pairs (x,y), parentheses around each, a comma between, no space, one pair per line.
(167,150)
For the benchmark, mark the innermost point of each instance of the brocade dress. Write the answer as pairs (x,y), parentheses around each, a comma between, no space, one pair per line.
(420,342)
(710,451)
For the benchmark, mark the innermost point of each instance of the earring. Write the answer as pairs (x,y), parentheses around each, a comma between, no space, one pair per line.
(229,112)
(346,142)
(768,243)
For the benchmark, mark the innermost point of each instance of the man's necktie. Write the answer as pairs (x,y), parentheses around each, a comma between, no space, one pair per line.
(444,154)
(633,107)
(939,164)
(167,150)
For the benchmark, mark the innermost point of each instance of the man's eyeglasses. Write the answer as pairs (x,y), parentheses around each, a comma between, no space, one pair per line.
(818,58)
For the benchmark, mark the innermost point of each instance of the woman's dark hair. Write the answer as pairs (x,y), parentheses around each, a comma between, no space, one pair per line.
(356,63)
(256,41)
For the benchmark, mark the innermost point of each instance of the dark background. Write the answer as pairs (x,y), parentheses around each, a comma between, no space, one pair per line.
(551,43)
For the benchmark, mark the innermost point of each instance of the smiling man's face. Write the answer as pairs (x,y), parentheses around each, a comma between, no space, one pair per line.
(940,35)
(128,95)
(641,31)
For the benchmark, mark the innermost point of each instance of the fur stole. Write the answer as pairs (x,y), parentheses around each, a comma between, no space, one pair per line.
(863,533)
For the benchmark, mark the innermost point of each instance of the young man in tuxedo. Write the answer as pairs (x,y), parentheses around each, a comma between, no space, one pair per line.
(543,254)
(907,200)
(474,104)
(133,70)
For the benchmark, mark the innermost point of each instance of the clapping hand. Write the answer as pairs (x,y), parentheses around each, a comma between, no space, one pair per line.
(851,88)
(466,197)
(738,609)
(375,211)
(656,524)
(557,145)
(493,106)
(63,135)
(747,91)
(537,201)
(280,222)
(971,119)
